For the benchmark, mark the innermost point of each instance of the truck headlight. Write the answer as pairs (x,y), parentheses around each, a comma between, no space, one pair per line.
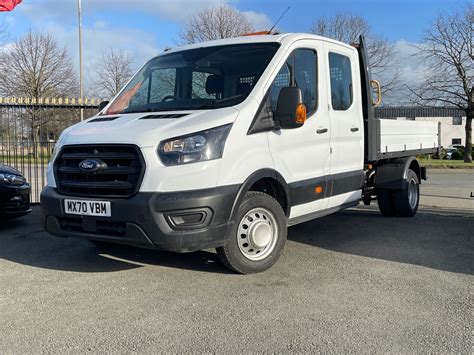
(11,179)
(199,146)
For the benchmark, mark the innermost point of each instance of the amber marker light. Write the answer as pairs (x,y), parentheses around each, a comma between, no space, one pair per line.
(318,189)
(300,113)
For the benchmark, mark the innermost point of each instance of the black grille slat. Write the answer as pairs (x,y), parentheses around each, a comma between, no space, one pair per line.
(109,170)
(111,155)
(16,205)
(97,185)
(121,176)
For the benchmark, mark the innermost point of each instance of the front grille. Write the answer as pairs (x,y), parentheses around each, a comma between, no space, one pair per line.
(120,176)
(17,204)
(103,227)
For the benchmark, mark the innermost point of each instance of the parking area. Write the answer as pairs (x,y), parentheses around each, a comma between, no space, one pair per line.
(353,281)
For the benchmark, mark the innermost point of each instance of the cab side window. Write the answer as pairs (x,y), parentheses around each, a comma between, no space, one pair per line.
(341,81)
(299,70)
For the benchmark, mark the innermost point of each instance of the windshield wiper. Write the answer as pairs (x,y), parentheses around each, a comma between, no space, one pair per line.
(155,110)
(214,103)
(211,104)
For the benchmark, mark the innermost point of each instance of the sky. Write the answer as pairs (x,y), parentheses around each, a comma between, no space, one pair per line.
(144,28)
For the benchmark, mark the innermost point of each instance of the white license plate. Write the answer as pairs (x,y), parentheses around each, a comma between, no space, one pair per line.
(87,208)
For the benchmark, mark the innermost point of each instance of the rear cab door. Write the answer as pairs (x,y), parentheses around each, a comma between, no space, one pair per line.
(346,121)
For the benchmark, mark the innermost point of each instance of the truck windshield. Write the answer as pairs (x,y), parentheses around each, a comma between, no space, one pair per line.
(202,78)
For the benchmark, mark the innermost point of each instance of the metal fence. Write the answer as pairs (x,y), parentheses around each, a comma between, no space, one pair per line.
(411,112)
(29,130)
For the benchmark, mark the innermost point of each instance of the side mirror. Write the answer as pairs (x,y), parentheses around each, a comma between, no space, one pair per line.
(290,111)
(102,105)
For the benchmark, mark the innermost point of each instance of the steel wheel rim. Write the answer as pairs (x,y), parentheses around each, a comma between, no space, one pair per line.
(257,234)
(412,193)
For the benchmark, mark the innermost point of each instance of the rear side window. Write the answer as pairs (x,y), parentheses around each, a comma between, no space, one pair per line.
(299,70)
(341,81)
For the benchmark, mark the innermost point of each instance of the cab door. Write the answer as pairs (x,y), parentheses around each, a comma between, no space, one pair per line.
(347,129)
(302,154)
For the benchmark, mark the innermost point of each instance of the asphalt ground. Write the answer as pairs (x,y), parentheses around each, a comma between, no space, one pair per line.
(350,282)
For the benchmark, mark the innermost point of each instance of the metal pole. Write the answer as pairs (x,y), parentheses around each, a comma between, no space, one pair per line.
(81,91)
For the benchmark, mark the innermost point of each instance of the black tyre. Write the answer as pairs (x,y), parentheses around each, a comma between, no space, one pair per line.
(257,237)
(407,200)
(386,202)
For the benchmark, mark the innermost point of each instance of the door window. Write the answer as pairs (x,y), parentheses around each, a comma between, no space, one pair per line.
(299,70)
(341,81)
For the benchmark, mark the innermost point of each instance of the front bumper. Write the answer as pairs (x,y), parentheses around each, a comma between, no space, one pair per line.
(147,219)
(14,200)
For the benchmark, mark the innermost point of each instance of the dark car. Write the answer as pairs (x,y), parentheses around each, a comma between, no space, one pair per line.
(14,193)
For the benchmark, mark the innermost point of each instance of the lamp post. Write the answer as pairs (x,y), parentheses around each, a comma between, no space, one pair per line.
(81,91)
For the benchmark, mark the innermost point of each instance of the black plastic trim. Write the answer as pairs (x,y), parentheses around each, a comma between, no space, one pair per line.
(206,213)
(103,119)
(252,179)
(144,217)
(392,174)
(262,122)
(332,185)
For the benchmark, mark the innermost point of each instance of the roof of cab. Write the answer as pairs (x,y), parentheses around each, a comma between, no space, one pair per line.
(283,38)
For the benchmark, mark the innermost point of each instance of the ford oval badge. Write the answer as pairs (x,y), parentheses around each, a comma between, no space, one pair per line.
(91,165)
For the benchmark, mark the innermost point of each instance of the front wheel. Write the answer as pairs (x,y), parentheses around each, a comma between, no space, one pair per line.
(258,236)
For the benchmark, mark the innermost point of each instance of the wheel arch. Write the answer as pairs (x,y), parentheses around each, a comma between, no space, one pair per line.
(392,175)
(258,181)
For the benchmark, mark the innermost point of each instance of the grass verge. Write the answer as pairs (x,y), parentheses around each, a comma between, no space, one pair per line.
(445,164)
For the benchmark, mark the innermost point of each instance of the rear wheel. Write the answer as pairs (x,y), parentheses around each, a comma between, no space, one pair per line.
(403,202)
(407,200)
(258,236)
(386,202)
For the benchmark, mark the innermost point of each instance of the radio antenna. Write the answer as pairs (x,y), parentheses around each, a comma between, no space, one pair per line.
(283,14)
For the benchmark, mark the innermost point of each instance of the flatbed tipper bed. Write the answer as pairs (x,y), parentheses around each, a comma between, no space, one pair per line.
(389,138)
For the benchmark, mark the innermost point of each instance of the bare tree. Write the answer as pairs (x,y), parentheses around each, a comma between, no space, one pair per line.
(35,67)
(347,27)
(447,49)
(215,23)
(113,72)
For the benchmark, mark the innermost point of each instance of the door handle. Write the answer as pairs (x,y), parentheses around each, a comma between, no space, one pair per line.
(354,129)
(321,130)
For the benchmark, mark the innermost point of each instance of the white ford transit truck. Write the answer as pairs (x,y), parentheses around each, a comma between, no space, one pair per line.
(224,144)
